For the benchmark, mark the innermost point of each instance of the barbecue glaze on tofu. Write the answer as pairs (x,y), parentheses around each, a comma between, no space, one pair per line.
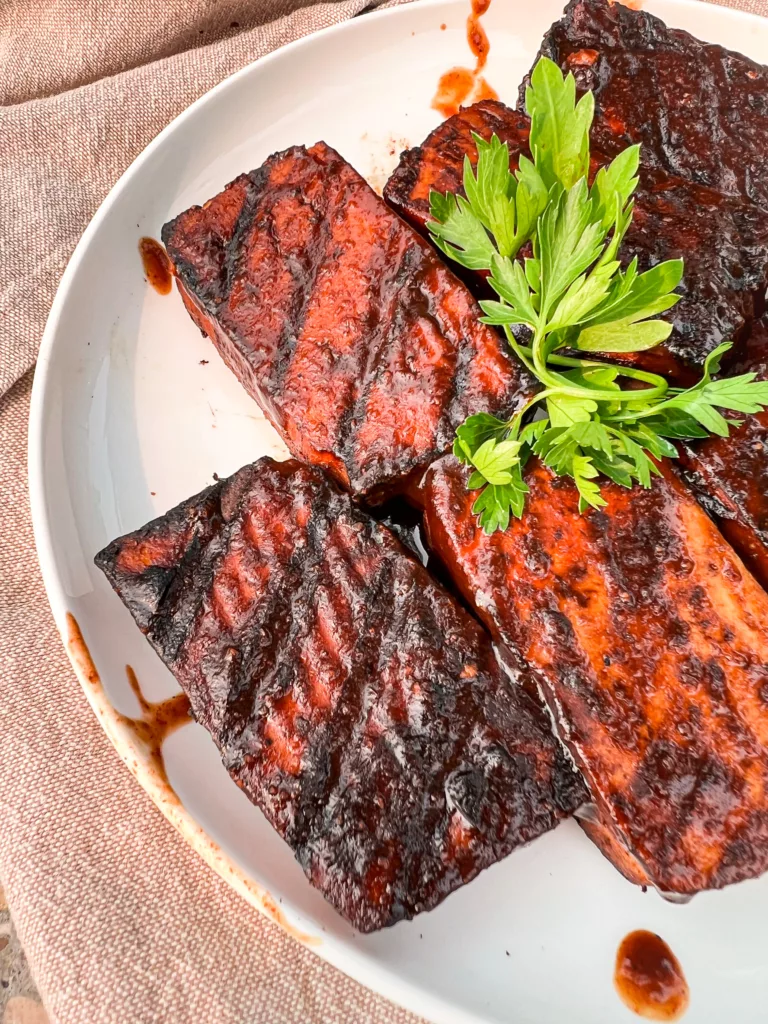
(351,697)
(730,474)
(361,346)
(722,240)
(699,110)
(648,638)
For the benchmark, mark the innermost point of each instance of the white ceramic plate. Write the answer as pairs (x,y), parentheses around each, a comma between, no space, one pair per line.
(127,421)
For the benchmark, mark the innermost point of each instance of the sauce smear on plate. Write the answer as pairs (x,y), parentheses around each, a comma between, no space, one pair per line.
(649,978)
(157,266)
(158,720)
(459,85)
(452,90)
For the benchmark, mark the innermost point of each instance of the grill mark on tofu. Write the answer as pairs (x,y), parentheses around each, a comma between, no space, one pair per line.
(353,699)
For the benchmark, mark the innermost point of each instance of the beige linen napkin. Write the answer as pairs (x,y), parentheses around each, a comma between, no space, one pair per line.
(121,921)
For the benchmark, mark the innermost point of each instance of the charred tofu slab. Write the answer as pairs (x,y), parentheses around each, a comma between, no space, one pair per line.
(351,697)
(723,240)
(357,341)
(730,474)
(699,110)
(647,637)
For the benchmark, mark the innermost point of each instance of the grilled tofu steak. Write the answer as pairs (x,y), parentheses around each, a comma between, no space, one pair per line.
(647,637)
(353,699)
(361,346)
(723,240)
(699,110)
(730,474)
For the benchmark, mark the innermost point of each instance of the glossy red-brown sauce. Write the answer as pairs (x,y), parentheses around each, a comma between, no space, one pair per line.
(453,90)
(649,978)
(478,41)
(158,721)
(484,91)
(157,266)
(461,85)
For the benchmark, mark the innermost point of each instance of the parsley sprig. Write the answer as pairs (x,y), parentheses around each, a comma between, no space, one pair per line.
(572,293)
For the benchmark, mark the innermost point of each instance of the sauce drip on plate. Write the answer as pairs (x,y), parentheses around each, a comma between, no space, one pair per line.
(476,37)
(483,91)
(158,720)
(147,733)
(649,978)
(452,90)
(460,85)
(157,266)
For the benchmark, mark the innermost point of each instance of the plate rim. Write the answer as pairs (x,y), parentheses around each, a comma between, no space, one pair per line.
(366,971)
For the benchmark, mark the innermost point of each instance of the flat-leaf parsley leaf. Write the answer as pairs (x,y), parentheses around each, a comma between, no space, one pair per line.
(572,293)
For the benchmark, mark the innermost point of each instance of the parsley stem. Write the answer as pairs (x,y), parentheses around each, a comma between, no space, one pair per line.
(659,383)
(577,391)
(531,356)
(643,414)
(539,361)
(523,352)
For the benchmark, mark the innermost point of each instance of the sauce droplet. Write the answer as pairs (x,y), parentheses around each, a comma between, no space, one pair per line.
(459,85)
(157,266)
(649,978)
